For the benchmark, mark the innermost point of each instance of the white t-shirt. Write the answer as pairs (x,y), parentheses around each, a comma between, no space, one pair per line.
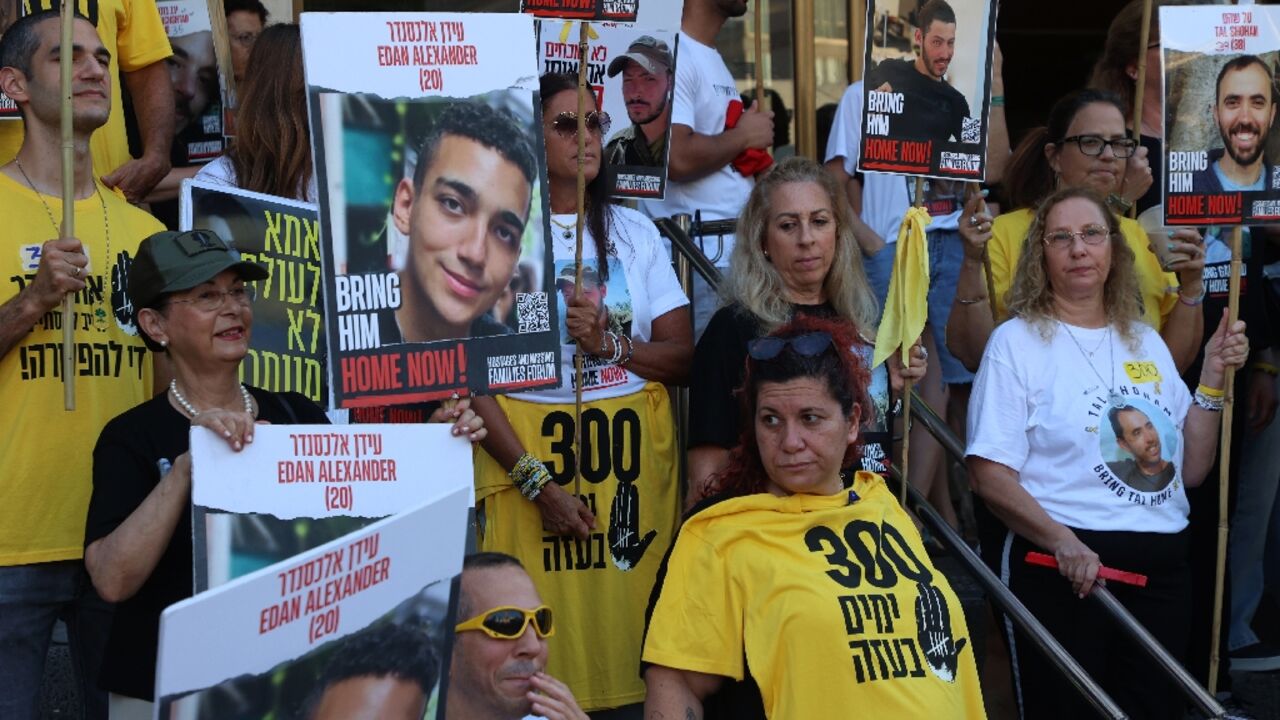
(885,196)
(222,172)
(704,93)
(1038,408)
(641,287)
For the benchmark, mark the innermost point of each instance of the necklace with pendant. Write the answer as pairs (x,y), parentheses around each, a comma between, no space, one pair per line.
(570,229)
(1113,397)
(99,313)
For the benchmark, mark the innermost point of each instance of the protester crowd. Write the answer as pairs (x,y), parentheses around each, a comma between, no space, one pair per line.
(783,580)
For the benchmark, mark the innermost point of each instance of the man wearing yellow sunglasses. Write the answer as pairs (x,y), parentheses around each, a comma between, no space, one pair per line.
(501,647)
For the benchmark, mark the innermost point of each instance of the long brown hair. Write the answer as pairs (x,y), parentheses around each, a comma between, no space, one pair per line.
(272,150)
(843,372)
(1031,296)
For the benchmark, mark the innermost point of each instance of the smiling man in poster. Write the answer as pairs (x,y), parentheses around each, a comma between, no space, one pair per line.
(1243,110)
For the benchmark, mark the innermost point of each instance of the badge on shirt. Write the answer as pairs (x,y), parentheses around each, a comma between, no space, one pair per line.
(29,257)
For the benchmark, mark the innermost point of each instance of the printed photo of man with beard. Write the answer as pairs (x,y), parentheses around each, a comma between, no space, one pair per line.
(1145,470)
(647,79)
(932,108)
(1243,109)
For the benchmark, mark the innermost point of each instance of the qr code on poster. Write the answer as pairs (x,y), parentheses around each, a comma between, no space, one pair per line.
(532,313)
(971,130)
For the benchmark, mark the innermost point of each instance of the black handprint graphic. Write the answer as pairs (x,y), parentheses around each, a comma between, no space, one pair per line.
(625,544)
(933,633)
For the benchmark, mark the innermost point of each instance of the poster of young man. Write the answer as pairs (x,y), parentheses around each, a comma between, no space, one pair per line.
(631,71)
(197,88)
(1219,65)
(353,628)
(928,78)
(288,349)
(10,11)
(432,192)
(298,487)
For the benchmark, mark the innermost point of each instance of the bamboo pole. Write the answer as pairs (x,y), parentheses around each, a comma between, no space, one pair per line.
(1144,37)
(908,386)
(577,251)
(759,40)
(68,230)
(222,49)
(971,189)
(1224,459)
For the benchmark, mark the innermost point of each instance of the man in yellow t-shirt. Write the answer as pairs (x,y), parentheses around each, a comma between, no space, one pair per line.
(132,32)
(47,451)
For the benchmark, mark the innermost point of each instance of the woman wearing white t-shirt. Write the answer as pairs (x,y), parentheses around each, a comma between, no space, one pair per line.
(1082,437)
(595,555)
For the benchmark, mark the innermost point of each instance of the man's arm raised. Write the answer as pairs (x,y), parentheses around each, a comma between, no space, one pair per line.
(694,156)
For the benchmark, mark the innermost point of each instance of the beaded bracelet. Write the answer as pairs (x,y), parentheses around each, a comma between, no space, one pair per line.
(1193,302)
(529,476)
(630,350)
(1215,393)
(1208,403)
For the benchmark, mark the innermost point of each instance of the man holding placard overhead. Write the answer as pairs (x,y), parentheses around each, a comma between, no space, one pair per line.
(46,451)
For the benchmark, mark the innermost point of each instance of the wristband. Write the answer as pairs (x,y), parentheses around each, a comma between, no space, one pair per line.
(1208,403)
(1215,393)
(971,301)
(529,476)
(630,351)
(997,101)
(1267,368)
(1118,203)
(1193,302)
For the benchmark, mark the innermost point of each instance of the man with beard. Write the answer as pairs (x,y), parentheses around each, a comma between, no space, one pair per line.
(1244,107)
(500,648)
(646,87)
(931,108)
(1146,470)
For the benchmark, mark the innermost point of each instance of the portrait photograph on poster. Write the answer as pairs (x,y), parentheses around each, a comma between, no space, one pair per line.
(631,72)
(434,207)
(927,85)
(1221,145)
(197,87)
(358,627)
(287,351)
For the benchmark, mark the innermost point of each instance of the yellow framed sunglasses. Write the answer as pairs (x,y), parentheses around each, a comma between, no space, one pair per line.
(509,623)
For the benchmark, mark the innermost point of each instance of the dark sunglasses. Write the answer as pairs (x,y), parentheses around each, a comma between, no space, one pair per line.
(509,623)
(566,123)
(807,345)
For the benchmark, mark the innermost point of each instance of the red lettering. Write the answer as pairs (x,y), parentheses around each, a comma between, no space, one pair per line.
(878,149)
(1186,205)
(363,373)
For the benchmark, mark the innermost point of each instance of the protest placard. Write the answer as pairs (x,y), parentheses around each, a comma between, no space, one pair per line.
(631,71)
(1220,151)
(299,486)
(10,11)
(927,85)
(197,85)
(287,351)
(433,205)
(267,644)
(616,10)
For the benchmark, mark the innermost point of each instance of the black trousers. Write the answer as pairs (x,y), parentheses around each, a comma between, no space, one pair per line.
(1119,665)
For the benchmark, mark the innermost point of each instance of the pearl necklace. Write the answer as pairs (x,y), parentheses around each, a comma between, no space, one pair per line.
(193,412)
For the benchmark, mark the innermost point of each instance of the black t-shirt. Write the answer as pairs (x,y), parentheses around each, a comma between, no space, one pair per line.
(932,109)
(1155,148)
(719,364)
(133,452)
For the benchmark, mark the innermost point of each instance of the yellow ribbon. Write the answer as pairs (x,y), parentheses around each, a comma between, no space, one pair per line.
(907,307)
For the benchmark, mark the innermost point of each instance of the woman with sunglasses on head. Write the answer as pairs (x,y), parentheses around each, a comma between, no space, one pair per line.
(597,553)
(802,260)
(1085,145)
(1081,440)
(806,575)
(191,302)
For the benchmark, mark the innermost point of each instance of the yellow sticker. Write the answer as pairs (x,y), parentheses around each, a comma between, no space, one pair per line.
(1142,371)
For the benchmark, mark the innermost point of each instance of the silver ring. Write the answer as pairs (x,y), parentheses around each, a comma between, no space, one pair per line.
(924,353)
(973,220)
(79,270)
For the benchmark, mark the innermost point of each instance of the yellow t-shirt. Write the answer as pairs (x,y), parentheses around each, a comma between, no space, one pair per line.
(47,451)
(1159,288)
(132,31)
(831,601)
(599,587)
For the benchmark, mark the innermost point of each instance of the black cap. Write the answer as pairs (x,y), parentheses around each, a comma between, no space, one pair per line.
(172,261)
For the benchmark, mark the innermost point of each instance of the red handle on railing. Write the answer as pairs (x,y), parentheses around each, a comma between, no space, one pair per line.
(1106,573)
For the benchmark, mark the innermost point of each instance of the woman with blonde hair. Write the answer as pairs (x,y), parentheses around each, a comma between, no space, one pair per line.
(1082,437)
(795,254)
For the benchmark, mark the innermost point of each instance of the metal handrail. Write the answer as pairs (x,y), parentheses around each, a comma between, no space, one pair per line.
(679,230)
(925,415)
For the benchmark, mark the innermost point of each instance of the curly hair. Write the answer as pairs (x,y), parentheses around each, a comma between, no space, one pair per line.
(272,150)
(846,378)
(490,127)
(754,283)
(1031,294)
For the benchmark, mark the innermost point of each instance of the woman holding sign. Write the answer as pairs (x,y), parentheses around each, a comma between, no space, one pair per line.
(1081,439)
(1085,145)
(191,302)
(599,553)
(809,577)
